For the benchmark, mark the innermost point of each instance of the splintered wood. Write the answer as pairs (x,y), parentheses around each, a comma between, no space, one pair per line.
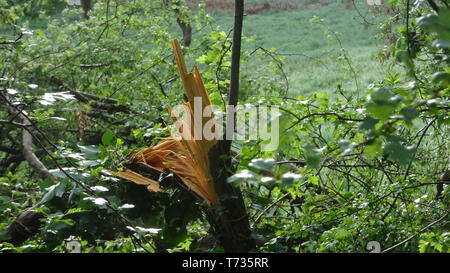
(187,157)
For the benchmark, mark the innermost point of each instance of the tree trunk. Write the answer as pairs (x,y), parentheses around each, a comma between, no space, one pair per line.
(183,23)
(187,32)
(87,5)
(231,218)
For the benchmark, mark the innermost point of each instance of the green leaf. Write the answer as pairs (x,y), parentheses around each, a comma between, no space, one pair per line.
(441,78)
(74,211)
(442,43)
(56,190)
(51,98)
(127,206)
(100,202)
(382,103)
(215,98)
(438,246)
(346,146)
(262,164)
(423,245)
(288,179)
(313,156)
(108,137)
(119,142)
(89,163)
(373,150)
(409,113)
(380,111)
(313,180)
(99,189)
(397,151)
(268,181)
(90,152)
(381,95)
(45,183)
(438,24)
(4,235)
(144,230)
(242,176)
(60,173)
(368,124)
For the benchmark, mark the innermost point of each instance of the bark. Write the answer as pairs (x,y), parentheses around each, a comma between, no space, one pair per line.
(87,6)
(235,68)
(30,156)
(27,139)
(445,178)
(230,219)
(183,23)
(433,5)
(25,225)
(187,32)
(108,104)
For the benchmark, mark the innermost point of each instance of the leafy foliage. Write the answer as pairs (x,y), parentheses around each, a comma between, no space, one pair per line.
(348,169)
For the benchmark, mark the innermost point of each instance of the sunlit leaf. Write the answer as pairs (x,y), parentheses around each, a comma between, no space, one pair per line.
(99,189)
(262,164)
(101,202)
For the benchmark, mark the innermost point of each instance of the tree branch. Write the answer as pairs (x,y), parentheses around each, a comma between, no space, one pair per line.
(433,5)
(108,104)
(416,234)
(27,140)
(8,42)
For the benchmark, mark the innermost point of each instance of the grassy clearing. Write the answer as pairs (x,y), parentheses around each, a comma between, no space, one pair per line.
(312,59)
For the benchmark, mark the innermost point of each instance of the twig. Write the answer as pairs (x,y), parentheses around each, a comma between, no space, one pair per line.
(362,16)
(161,86)
(124,221)
(269,207)
(8,42)
(300,119)
(10,122)
(417,147)
(219,64)
(278,62)
(89,66)
(433,5)
(416,234)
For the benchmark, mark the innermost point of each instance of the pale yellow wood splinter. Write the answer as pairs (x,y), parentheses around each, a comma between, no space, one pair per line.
(188,158)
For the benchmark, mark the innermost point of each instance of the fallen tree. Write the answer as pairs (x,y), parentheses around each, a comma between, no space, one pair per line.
(28,222)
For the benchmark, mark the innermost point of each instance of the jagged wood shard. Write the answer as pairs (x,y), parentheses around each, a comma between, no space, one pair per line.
(188,158)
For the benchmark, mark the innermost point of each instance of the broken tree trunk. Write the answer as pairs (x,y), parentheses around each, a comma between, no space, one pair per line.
(199,164)
(231,218)
(236,232)
(183,155)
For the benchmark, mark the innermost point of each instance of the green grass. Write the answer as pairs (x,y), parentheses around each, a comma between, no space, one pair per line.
(313,65)
(311,61)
